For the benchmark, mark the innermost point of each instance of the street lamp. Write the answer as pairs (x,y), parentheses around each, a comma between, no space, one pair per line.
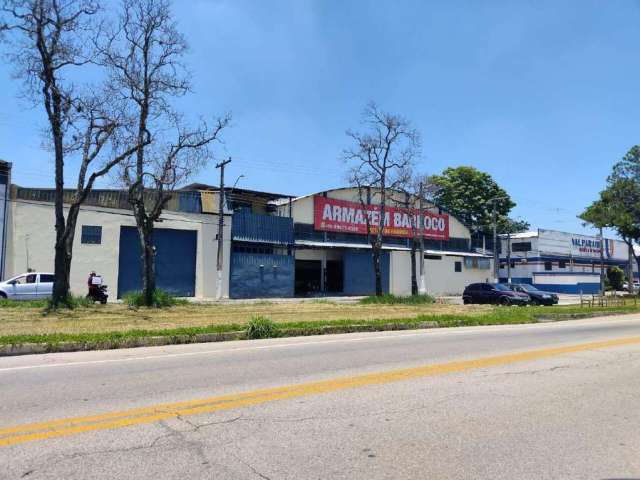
(496,259)
(226,202)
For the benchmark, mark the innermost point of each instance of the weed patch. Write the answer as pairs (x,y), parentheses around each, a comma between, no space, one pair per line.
(389,299)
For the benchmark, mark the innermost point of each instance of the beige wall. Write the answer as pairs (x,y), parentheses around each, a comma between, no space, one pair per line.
(32,226)
(440,275)
(442,279)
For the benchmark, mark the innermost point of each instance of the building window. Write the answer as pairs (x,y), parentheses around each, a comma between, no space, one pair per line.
(562,264)
(91,234)
(238,206)
(458,266)
(257,249)
(548,266)
(521,247)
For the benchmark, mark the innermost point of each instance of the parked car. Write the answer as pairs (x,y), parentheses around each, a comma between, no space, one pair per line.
(636,286)
(28,286)
(496,293)
(538,297)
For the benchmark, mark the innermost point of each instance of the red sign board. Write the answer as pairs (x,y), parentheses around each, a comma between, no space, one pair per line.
(332,215)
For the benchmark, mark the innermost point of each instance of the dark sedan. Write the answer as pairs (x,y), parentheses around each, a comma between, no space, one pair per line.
(496,293)
(538,297)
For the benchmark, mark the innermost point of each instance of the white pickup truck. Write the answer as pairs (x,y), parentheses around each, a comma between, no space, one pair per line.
(28,286)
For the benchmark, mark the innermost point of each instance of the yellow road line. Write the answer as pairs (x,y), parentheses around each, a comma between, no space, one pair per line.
(71,426)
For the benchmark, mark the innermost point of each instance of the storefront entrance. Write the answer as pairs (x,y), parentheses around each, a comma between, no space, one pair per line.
(308,277)
(334,280)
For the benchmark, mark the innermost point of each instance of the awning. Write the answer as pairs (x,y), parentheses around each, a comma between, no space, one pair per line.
(312,243)
(456,254)
(317,244)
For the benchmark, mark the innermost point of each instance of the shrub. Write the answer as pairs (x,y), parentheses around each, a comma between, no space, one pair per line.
(615,278)
(161,299)
(8,303)
(71,302)
(261,327)
(389,299)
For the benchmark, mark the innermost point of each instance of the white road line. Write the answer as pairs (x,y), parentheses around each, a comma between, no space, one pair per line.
(387,335)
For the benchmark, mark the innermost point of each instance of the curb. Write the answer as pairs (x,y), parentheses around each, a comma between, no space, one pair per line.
(158,341)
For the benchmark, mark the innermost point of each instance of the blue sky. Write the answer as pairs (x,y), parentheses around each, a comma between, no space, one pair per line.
(542,95)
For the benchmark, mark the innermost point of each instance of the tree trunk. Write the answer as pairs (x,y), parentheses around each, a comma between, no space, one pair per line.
(414,275)
(61,275)
(61,282)
(148,257)
(376,269)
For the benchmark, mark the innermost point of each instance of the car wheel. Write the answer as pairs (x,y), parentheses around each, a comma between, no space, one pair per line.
(3,295)
(466,301)
(535,302)
(505,301)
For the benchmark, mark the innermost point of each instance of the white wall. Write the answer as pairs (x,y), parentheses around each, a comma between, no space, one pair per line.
(442,279)
(400,272)
(32,226)
(440,275)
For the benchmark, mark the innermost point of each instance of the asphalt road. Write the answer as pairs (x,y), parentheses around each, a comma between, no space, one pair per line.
(540,401)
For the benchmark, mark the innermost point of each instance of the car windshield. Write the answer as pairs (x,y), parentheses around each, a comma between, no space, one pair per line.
(502,287)
(528,288)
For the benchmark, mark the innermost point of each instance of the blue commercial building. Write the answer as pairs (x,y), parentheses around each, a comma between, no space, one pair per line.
(561,262)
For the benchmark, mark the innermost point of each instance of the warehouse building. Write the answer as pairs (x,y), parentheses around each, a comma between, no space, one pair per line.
(317,245)
(107,241)
(274,245)
(560,261)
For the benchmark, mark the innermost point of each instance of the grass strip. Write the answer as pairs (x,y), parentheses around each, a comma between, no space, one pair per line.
(389,299)
(498,316)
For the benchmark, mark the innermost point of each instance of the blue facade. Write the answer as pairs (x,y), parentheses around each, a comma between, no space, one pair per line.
(175,261)
(251,227)
(575,289)
(358,272)
(261,275)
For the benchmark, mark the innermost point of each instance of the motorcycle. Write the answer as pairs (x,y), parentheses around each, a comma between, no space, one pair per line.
(98,294)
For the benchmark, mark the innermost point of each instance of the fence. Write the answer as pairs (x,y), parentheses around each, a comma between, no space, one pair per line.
(607,301)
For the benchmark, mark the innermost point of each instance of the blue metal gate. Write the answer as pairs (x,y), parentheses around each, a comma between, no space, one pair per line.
(175,261)
(255,275)
(358,272)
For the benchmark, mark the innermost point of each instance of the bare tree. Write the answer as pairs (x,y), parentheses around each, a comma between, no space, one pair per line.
(47,40)
(144,54)
(379,161)
(416,195)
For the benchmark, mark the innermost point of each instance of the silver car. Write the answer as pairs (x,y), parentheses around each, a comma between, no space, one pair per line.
(28,286)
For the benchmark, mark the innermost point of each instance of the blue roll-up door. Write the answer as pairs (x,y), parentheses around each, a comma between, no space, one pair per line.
(256,275)
(358,272)
(175,261)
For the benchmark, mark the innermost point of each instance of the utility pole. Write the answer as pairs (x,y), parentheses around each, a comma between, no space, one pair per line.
(509,257)
(601,263)
(221,203)
(423,287)
(630,278)
(496,259)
